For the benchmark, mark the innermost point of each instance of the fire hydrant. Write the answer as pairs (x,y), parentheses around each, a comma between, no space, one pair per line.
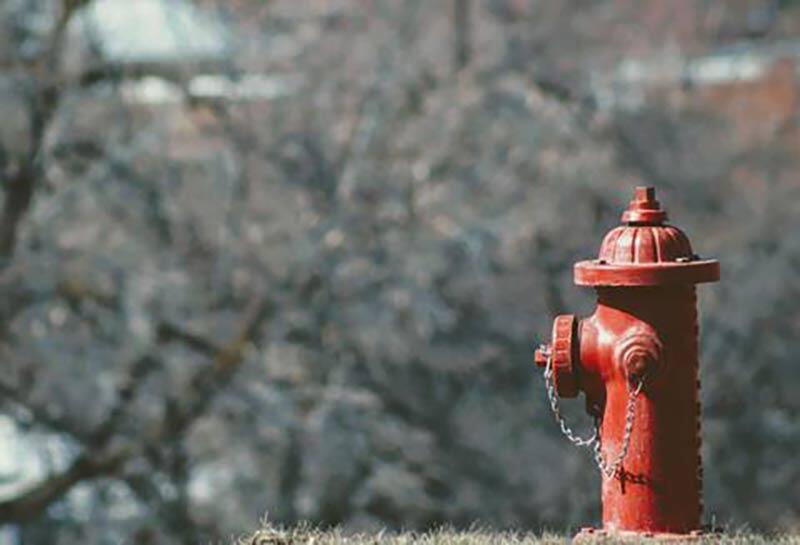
(636,362)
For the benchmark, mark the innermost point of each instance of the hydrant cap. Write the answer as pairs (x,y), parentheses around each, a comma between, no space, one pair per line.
(645,251)
(644,208)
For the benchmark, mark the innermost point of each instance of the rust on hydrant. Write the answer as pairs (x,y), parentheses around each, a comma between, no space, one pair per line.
(636,362)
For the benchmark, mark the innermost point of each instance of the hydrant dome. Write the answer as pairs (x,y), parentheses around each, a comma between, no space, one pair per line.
(645,244)
(645,251)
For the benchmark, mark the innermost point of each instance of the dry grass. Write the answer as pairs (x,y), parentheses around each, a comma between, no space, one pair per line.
(305,535)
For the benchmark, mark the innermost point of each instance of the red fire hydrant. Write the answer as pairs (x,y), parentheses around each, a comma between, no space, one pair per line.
(635,359)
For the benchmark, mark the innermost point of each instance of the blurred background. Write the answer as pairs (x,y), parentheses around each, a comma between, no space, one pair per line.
(289,258)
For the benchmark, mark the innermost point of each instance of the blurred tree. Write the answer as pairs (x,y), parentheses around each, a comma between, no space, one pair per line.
(301,274)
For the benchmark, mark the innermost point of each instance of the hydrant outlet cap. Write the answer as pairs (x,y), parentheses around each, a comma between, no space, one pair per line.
(644,208)
(645,251)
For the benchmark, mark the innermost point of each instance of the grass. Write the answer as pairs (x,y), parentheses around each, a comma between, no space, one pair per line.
(305,535)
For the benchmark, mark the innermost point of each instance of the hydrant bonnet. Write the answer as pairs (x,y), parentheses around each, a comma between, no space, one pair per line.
(645,251)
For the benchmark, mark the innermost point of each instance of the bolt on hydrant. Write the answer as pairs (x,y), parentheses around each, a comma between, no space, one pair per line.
(636,362)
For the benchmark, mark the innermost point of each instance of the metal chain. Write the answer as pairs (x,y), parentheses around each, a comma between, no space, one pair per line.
(552,395)
(607,469)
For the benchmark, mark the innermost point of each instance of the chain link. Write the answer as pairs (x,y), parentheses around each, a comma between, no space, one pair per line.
(608,469)
(552,395)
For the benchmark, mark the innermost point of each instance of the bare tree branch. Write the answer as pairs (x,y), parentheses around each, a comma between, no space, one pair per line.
(43,99)
(35,500)
(168,331)
(99,459)
(462,33)
(209,381)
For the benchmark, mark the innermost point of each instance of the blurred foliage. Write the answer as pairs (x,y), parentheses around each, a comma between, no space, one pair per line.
(302,274)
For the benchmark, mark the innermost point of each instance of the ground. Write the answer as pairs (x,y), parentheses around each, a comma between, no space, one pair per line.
(307,535)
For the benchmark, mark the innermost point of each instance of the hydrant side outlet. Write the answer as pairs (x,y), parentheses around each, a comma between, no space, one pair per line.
(636,361)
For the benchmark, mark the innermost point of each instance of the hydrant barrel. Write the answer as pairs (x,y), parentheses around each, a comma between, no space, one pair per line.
(659,484)
(636,362)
